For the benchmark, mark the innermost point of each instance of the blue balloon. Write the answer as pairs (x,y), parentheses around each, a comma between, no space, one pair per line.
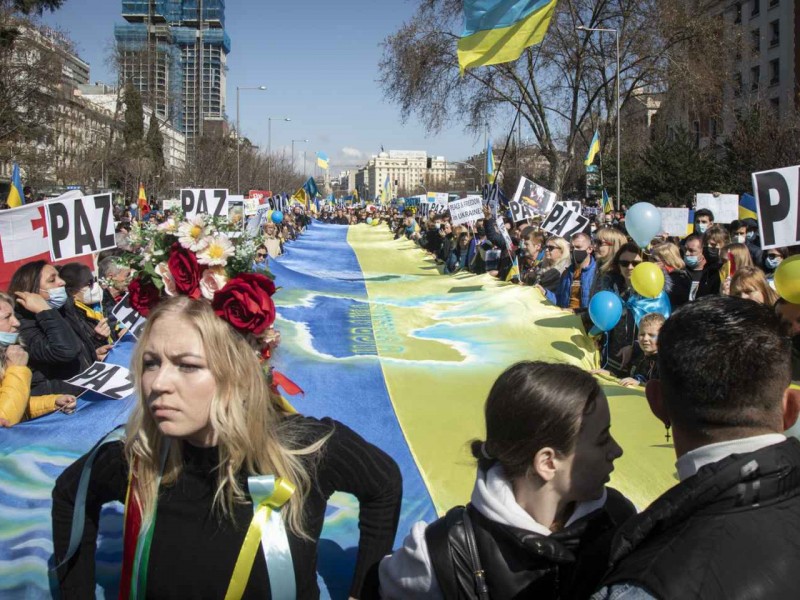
(369,220)
(605,309)
(277,216)
(643,222)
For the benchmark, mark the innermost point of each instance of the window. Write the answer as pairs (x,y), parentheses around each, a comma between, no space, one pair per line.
(775,71)
(696,131)
(775,105)
(755,40)
(775,38)
(737,84)
(755,75)
(756,8)
(738,8)
(774,3)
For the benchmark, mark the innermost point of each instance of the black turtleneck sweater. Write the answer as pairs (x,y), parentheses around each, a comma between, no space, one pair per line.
(194,550)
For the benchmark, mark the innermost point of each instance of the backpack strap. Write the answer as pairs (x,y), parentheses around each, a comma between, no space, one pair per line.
(437,536)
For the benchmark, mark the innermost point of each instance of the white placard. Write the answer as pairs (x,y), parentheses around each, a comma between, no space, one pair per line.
(501,226)
(172,204)
(777,206)
(520,211)
(724,206)
(564,222)
(466,210)
(106,379)
(80,226)
(250,206)
(574,205)
(128,317)
(539,199)
(204,202)
(674,221)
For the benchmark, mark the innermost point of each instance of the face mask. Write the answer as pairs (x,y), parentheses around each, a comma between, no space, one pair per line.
(701,227)
(594,228)
(750,235)
(8,338)
(94,295)
(711,254)
(739,239)
(578,256)
(58,297)
(691,261)
(133,207)
(772,263)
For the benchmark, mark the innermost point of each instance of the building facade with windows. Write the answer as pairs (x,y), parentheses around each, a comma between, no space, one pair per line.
(409,172)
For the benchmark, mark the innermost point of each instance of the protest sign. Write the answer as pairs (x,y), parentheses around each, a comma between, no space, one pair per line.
(80,226)
(501,227)
(466,210)
(573,205)
(106,379)
(564,222)
(128,317)
(171,204)
(204,202)
(520,211)
(538,198)
(777,201)
(250,206)
(261,196)
(724,206)
(674,221)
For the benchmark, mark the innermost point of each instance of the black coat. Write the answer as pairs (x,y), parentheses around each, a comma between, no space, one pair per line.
(682,286)
(58,348)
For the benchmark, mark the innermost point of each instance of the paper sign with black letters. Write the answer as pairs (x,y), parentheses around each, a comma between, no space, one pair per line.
(466,210)
(777,199)
(565,222)
(127,317)
(80,226)
(109,380)
(574,205)
(204,202)
(674,221)
(520,211)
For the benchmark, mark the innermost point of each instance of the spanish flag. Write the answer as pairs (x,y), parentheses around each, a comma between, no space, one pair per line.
(498,31)
(15,196)
(747,207)
(594,149)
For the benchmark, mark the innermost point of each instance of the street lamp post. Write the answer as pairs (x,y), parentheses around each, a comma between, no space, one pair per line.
(619,138)
(269,147)
(238,135)
(299,142)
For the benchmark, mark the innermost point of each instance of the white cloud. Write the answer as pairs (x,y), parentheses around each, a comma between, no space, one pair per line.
(352,152)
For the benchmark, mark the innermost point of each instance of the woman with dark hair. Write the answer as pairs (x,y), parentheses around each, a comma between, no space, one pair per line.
(87,295)
(51,329)
(540,518)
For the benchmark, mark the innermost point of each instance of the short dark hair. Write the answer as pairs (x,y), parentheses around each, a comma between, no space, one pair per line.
(691,238)
(534,405)
(703,212)
(76,276)
(724,362)
(27,278)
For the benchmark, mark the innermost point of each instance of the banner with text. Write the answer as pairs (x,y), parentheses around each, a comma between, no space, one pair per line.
(565,222)
(466,210)
(204,202)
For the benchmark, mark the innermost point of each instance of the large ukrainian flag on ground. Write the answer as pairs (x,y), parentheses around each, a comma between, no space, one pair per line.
(497,31)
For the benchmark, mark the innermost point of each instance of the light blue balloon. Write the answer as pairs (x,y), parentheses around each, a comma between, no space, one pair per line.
(643,222)
(605,309)
(277,217)
(369,220)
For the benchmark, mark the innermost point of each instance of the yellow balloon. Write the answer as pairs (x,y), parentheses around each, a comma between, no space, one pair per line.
(787,279)
(647,279)
(268,218)
(375,222)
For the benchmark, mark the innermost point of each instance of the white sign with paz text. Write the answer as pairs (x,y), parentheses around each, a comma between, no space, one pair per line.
(204,202)
(777,201)
(80,226)
(565,222)
(106,379)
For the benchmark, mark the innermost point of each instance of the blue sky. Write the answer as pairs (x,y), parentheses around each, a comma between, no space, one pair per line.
(319,61)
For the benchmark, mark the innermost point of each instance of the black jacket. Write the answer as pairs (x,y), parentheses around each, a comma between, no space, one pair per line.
(682,286)
(58,348)
(729,532)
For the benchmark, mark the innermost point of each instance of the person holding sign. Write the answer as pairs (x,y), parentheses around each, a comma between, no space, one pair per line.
(16,402)
(50,328)
(87,295)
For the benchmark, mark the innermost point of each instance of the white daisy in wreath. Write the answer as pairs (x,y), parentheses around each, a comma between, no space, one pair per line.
(218,249)
(193,234)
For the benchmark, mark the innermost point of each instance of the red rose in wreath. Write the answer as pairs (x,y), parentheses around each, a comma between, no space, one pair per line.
(185,270)
(144,295)
(245,302)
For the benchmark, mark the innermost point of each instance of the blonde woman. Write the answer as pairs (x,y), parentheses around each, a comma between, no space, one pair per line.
(547,275)
(741,258)
(751,283)
(607,242)
(204,433)
(272,240)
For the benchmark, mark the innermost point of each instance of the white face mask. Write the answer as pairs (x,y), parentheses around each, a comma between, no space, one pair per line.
(93,295)
(739,239)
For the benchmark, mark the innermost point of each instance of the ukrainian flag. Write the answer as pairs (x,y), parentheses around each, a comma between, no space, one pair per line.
(497,31)
(386,191)
(322,160)
(608,206)
(747,207)
(514,270)
(15,195)
(594,149)
(490,163)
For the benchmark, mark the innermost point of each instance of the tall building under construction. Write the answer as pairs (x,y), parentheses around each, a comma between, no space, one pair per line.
(175,52)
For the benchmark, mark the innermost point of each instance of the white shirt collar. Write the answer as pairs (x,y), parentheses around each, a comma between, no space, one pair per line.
(691,462)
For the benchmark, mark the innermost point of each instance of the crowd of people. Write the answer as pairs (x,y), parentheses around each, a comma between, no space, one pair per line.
(211,452)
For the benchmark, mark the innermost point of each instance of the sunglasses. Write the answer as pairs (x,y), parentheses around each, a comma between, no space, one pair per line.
(261,255)
(599,243)
(551,248)
(774,256)
(629,263)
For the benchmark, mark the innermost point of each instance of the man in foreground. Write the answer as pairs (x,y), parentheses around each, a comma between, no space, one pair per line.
(731,527)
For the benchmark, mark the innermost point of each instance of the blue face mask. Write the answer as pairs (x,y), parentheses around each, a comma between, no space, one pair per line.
(772,263)
(701,227)
(58,297)
(750,235)
(7,338)
(691,261)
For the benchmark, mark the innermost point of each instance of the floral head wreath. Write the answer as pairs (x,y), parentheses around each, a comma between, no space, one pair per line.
(201,258)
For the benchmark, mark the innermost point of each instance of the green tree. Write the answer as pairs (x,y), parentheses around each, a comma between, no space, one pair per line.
(155,143)
(133,131)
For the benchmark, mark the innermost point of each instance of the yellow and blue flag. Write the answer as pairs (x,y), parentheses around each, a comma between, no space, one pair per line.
(498,31)
(608,206)
(747,207)
(322,160)
(594,149)
(386,191)
(513,272)
(490,175)
(15,195)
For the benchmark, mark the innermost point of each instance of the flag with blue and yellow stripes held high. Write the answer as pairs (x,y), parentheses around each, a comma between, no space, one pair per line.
(386,191)
(497,31)
(322,160)
(747,207)
(513,272)
(490,174)
(594,149)
(15,195)
(608,206)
